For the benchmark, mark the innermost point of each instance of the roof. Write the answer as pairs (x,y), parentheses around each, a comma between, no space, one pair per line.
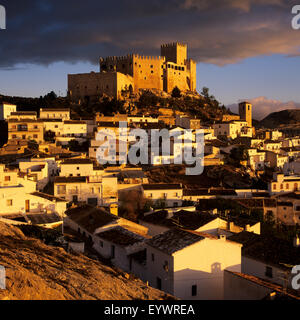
(43,218)
(108,124)
(121,237)
(90,218)
(184,219)
(273,251)
(47,196)
(54,110)
(291,195)
(132,174)
(74,122)
(23,113)
(69,179)
(162,186)
(212,191)
(173,240)
(256,203)
(291,294)
(77,161)
(52,120)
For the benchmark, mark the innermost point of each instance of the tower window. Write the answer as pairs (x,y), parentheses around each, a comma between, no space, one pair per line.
(194,291)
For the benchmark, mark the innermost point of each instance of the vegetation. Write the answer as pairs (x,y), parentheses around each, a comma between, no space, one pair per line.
(237,155)
(49,136)
(176,93)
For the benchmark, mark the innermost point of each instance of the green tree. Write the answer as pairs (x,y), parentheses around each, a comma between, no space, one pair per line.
(49,136)
(176,93)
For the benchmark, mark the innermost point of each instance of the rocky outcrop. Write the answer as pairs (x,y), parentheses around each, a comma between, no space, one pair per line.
(35,271)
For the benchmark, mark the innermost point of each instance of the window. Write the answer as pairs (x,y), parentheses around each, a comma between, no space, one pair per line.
(35,136)
(101,244)
(269,272)
(158,283)
(194,290)
(152,257)
(7,178)
(287,186)
(61,189)
(9,203)
(166,266)
(274,186)
(113,252)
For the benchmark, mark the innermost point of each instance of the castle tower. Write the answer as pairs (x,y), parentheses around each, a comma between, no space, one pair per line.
(175,52)
(245,111)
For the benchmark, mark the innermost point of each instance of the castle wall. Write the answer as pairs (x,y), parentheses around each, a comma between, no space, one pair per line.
(95,85)
(148,72)
(117,64)
(192,67)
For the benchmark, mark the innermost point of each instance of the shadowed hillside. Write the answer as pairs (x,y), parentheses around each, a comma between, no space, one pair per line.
(35,271)
(285,117)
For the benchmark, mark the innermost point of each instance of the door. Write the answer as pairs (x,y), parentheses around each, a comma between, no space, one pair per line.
(27,205)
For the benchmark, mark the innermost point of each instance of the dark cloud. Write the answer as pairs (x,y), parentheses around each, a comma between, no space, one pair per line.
(219,32)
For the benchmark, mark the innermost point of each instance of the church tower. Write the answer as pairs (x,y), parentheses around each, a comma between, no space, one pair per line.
(245,111)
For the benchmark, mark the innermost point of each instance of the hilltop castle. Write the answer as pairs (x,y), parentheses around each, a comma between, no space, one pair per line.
(133,72)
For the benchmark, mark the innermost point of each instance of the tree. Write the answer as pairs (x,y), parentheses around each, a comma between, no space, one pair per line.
(205,92)
(49,136)
(176,93)
(73,145)
(239,154)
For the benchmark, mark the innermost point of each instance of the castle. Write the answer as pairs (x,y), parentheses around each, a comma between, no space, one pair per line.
(134,72)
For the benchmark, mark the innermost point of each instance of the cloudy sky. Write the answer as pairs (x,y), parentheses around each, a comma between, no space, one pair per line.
(245,49)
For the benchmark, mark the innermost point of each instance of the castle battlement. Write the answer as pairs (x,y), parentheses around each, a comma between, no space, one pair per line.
(137,56)
(115,58)
(174,44)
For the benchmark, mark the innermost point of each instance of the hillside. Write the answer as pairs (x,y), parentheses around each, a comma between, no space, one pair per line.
(35,271)
(285,117)
(146,102)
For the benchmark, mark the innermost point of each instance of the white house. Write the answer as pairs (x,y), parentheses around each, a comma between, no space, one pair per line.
(268,258)
(169,194)
(48,113)
(93,190)
(282,183)
(6,109)
(189,265)
(18,195)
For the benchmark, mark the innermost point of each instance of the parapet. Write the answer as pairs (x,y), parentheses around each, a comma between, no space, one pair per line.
(174,44)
